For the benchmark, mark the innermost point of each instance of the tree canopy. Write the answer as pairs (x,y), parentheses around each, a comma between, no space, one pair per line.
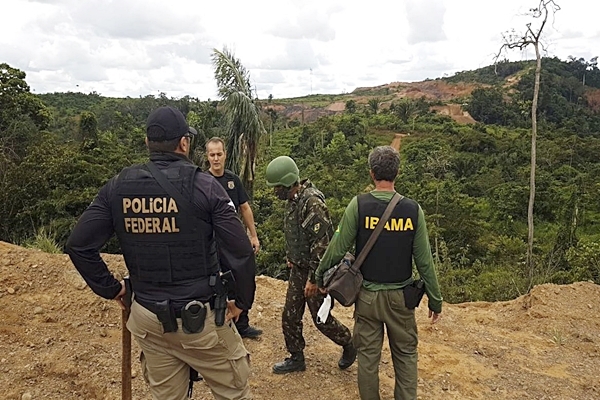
(471,180)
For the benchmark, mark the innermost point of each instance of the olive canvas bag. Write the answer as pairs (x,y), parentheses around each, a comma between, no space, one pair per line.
(344,280)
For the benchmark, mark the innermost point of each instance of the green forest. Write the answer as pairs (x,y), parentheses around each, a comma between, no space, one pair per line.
(472,180)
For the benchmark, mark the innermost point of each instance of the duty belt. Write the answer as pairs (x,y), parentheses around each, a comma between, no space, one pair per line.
(192,314)
(152,306)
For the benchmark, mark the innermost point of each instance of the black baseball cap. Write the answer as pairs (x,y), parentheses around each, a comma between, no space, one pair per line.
(171,124)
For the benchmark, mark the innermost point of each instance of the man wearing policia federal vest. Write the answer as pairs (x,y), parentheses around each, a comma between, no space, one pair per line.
(168,218)
(386,271)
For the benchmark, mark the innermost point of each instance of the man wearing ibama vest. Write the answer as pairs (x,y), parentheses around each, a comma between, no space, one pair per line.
(387,270)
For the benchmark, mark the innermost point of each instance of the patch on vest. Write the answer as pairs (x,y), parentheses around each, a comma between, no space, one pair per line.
(314,223)
(393,224)
(317,227)
(138,215)
(308,219)
(231,184)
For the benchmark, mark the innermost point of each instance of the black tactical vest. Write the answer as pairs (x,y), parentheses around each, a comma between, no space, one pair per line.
(160,240)
(390,259)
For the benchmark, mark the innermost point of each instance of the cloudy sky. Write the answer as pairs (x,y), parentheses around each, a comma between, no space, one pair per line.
(291,48)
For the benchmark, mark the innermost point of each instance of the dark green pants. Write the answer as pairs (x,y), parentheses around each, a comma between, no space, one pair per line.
(373,311)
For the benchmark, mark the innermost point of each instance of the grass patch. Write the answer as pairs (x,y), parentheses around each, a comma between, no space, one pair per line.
(557,337)
(44,241)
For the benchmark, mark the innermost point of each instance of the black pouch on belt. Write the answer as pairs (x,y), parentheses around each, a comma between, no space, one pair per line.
(193,315)
(166,315)
(413,294)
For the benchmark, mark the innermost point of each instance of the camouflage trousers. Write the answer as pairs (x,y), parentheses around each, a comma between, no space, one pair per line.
(293,311)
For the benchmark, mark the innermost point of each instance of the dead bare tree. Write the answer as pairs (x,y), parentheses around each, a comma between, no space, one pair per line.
(512,40)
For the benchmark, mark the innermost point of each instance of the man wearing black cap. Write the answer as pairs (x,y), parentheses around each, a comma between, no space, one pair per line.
(168,218)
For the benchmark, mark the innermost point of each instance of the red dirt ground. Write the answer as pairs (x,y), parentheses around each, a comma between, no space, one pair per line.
(60,341)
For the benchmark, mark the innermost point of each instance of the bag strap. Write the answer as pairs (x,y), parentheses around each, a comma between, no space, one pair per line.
(171,189)
(384,218)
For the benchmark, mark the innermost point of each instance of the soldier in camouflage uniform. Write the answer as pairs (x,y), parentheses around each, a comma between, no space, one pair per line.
(307,228)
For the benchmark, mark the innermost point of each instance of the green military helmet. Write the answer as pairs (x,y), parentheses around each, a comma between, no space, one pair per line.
(282,171)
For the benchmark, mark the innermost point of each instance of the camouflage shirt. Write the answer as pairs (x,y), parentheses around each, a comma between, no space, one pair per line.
(307,228)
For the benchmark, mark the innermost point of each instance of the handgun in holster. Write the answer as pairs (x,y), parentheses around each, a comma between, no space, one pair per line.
(221,284)
(166,315)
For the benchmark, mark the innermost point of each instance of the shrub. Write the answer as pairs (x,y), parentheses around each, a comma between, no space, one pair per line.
(44,241)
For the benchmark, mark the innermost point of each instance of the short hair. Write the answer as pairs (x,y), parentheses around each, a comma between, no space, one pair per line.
(164,145)
(214,139)
(384,161)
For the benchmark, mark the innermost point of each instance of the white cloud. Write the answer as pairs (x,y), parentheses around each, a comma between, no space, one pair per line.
(307,23)
(297,55)
(426,20)
(134,19)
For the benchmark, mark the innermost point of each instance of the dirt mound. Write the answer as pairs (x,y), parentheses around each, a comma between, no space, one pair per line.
(455,112)
(60,341)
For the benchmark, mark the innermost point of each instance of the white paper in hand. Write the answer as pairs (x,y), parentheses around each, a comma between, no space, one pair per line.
(323,313)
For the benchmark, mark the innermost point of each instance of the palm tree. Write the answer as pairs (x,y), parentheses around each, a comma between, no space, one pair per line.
(244,126)
(374,104)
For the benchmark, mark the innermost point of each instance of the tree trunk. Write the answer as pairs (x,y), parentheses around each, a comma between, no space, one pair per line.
(534,104)
(437,234)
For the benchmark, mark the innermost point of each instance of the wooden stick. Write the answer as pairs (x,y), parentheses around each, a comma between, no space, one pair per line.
(125,358)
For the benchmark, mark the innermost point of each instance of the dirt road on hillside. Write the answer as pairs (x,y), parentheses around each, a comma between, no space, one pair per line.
(397,140)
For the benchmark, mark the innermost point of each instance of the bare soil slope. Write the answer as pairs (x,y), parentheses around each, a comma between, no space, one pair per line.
(59,341)
(431,90)
(593,97)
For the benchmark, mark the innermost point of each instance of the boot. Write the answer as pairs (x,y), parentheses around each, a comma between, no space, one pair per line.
(348,356)
(290,364)
(250,332)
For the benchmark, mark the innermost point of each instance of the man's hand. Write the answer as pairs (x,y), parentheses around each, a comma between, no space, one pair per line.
(119,297)
(289,263)
(435,317)
(233,312)
(255,244)
(310,289)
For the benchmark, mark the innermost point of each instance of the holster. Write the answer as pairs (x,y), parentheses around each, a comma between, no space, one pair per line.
(413,294)
(220,298)
(166,315)
(193,315)
(220,309)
